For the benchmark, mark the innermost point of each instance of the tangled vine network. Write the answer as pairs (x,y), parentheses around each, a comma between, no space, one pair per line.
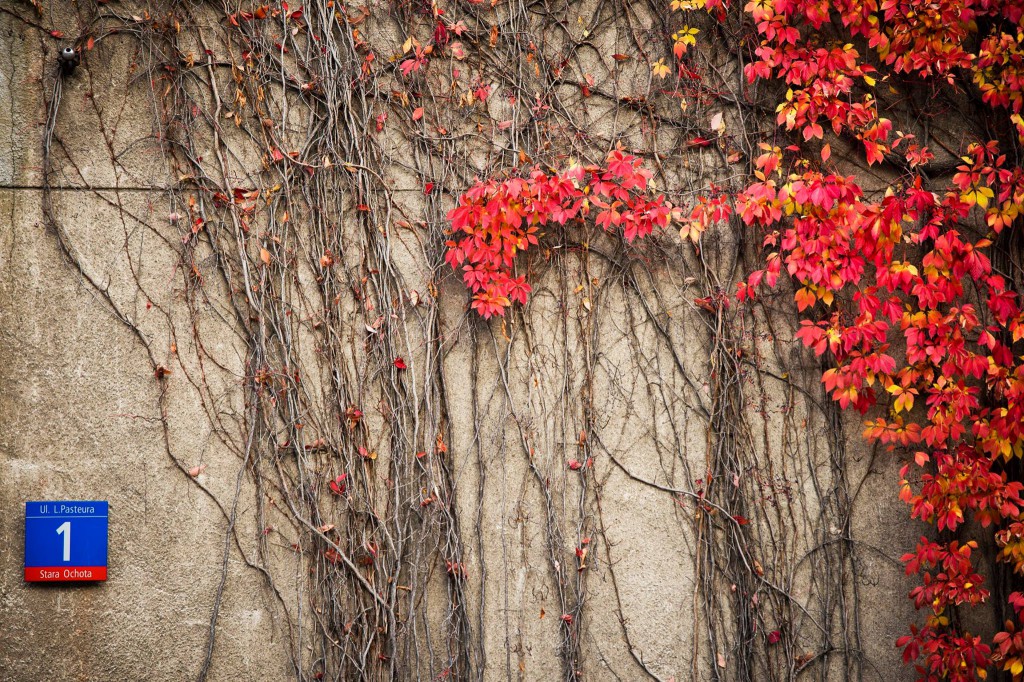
(329,172)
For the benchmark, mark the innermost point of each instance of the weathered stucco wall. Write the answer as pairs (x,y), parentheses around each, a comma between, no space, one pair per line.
(222,572)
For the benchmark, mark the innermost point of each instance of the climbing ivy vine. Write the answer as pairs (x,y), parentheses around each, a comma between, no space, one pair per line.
(897,285)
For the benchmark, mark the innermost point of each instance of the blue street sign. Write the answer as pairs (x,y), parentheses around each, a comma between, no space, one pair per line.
(65,541)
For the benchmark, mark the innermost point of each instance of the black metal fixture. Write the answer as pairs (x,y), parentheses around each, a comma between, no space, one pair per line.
(68,58)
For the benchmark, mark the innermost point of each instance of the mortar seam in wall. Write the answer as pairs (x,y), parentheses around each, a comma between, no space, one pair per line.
(39,188)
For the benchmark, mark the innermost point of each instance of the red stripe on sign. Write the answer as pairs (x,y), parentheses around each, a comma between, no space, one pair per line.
(47,574)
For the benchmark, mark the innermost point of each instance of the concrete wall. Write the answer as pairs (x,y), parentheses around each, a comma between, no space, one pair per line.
(217,480)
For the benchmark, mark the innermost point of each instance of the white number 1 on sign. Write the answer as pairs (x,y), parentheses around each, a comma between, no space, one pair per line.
(65,530)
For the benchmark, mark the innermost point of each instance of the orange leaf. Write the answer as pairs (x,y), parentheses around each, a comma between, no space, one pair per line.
(804,298)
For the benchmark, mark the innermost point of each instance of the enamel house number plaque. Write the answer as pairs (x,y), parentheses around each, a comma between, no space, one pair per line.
(65,541)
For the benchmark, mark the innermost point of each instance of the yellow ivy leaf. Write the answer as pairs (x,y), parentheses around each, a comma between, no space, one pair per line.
(688,4)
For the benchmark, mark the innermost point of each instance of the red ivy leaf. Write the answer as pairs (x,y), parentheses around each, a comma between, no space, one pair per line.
(337,486)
